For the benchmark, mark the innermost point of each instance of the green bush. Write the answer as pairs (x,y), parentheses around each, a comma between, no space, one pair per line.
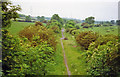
(70,24)
(20,57)
(41,31)
(55,29)
(10,46)
(33,62)
(54,22)
(75,32)
(103,60)
(85,38)
(103,39)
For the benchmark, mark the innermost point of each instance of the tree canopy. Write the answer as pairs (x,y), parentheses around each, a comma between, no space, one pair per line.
(28,18)
(90,20)
(9,11)
(56,17)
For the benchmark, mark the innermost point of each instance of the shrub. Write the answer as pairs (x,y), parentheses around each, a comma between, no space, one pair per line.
(77,26)
(70,24)
(10,46)
(103,39)
(71,29)
(30,31)
(22,58)
(38,24)
(85,38)
(83,24)
(33,62)
(55,29)
(75,32)
(104,60)
(54,22)
(97,25)
(41,31)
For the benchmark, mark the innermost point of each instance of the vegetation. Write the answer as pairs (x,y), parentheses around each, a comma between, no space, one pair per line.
(9,13)
(85,38)
(70,24)
(34,49)
(28,18)
(90,20)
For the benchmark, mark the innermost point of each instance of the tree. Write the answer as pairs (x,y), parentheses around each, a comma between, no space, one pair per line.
(38,18)
(70,24)
(112,21)
(90,20)
(56,17)
(28,18)
(9,11)
(55,21)
(118,22)
(42,18)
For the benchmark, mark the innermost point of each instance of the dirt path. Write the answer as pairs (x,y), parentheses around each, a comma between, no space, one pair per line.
(65,60)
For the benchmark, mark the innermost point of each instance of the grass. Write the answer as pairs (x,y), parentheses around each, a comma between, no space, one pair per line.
(18,26)
(103,30)
(76,61)
(59,68)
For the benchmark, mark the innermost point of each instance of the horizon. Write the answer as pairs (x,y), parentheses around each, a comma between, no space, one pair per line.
(72,9)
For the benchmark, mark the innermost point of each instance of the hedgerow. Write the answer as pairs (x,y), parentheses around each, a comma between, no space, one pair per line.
(85,38)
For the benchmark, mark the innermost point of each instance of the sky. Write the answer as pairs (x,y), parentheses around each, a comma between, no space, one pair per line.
(102,10)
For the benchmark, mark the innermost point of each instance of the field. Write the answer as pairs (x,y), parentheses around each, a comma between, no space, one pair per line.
(103,30)
(18,26)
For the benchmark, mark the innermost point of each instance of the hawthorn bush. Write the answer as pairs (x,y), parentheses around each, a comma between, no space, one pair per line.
(21,57)
(85,38)
(55,29)
(103,60)
(10,46)
(38,24)
(41,31)
(33,61)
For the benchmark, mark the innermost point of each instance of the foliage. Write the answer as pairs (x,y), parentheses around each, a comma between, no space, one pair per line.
(28,18)
(9,11)
(118,22)
(97,25)
(112,21)
(54,22)
(38,24)
(10,45)
(56,17)
(21,58)
(103,60)
(70,24)
(85,38)
(103,39)
(42,55)
(42,18)
(55,29)
(77,26)
(90,20)
(41,31)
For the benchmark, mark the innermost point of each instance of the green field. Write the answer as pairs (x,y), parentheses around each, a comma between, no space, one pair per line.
(103,30)
(18,26)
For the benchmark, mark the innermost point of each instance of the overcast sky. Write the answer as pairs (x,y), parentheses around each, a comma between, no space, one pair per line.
(80,9)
